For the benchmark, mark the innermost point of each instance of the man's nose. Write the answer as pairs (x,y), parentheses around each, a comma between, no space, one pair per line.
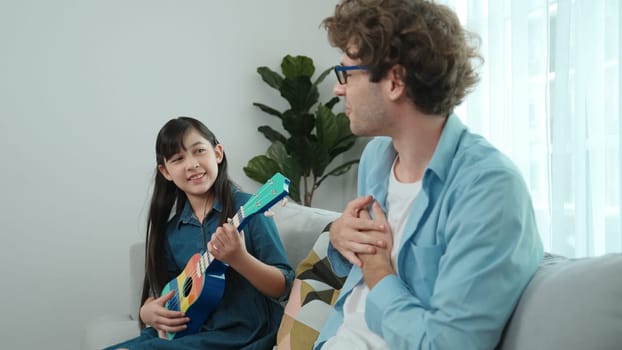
(339,89)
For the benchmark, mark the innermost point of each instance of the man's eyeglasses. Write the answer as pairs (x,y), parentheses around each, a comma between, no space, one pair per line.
(342,72)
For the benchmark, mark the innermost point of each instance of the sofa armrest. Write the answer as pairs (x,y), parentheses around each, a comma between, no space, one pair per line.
(108,330)
(137,275)
(111,329)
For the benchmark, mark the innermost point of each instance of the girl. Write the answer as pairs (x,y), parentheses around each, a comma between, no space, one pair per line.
(191,179)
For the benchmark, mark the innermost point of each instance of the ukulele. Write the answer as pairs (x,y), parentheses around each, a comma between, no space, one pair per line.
(199,287)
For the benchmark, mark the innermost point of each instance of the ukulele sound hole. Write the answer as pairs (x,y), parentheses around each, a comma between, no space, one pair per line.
(187,287)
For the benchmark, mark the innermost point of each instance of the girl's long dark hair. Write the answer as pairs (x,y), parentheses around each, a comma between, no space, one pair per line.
(167,196)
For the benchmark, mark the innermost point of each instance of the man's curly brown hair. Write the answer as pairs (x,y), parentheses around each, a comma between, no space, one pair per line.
(425,38)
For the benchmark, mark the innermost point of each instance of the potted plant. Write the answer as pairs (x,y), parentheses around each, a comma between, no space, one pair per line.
(314,137)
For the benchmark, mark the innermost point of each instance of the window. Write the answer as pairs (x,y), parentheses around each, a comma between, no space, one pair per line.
(549,98)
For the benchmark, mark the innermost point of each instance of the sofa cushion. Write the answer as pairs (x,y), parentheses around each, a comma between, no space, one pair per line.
(570,304)
(299,226)
(313,293)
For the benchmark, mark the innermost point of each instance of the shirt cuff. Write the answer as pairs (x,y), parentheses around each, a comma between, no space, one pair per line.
(385,293)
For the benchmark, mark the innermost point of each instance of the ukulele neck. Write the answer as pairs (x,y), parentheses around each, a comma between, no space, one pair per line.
(207,257)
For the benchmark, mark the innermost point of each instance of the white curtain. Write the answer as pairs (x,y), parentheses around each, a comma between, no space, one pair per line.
(549,98)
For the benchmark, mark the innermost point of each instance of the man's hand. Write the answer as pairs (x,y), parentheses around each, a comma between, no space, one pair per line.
(154,314)
(377,266)
(349,233)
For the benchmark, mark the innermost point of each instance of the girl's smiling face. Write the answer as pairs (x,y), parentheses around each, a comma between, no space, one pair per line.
(195,167)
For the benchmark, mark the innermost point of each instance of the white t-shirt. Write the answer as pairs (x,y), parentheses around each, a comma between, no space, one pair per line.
(354,334)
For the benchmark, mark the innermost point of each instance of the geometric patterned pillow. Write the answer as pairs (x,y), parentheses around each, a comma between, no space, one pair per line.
(313,294)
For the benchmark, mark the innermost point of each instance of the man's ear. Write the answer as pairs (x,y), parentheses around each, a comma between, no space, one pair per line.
(220,153)
(397,87)
(164,172)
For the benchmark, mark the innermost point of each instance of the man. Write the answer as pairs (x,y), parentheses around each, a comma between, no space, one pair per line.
(442,240)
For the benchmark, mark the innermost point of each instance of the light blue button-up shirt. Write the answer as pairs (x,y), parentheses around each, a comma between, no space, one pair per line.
(469,248)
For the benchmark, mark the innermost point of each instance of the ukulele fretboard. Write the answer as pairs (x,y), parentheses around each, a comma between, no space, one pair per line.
(207,257)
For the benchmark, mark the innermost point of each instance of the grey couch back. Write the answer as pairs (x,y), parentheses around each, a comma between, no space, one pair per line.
(570,304)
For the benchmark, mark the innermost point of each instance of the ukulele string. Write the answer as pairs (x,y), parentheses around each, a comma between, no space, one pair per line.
(175,302)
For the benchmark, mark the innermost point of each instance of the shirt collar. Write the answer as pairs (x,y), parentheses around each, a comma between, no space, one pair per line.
(447,147)
(187,215)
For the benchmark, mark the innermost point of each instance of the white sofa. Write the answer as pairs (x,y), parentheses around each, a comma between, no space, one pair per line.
(570,304)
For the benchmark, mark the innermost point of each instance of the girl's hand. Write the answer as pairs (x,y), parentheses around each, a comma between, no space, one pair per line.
(154,314)
(349,233)
(227,245)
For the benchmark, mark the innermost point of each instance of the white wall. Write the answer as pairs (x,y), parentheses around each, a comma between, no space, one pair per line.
(84,87)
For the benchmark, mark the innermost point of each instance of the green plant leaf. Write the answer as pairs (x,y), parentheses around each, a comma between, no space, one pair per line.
(320,159)
(343,123)
(298,125)
(293,171)
(261,168)
(298,66)
(278,152)
(268,110)
(320,79)
(271,134)
(300,93)
(294,189)
(303,152)
(340,170)
(333,131)
(271,77)
(299,153)
(342,145)
(345,139)
(332,102)
(326,127)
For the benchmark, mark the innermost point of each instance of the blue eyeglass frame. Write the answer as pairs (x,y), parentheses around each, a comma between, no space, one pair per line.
(340,70)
